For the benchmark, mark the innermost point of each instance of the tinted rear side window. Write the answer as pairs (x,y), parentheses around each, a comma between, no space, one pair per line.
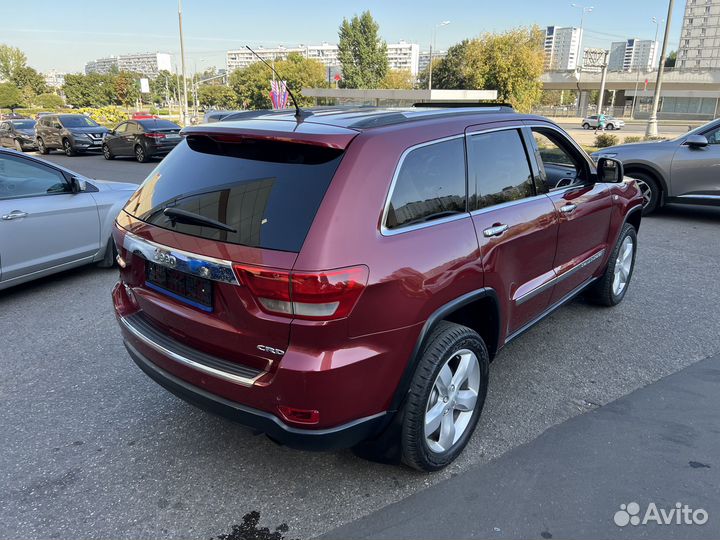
(269,192)
(498,167)
(430,184)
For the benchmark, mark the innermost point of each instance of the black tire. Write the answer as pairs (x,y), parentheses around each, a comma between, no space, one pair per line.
(652,195)
(602,292)
(140,154)
(610,127)
(107,154)
(108,261)
(441,346)
(68,148)
(586,126)
(18,145)
(41,147)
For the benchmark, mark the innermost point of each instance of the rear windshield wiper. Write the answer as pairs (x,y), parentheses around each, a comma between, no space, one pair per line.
(190,218)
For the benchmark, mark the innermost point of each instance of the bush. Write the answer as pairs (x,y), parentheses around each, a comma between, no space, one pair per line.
(48,101)
(109,116)
(655,139)
(632,139)
(605,139)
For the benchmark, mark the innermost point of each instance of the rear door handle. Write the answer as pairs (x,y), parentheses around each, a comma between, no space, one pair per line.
(568,208)
(15,214)
(495,230)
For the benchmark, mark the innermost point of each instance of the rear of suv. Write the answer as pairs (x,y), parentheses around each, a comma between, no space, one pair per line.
(71,133)
(344,278)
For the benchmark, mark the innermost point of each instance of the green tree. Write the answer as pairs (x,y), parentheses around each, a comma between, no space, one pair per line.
(398,79)
(93,90)
(671,59)
(216,97)
(127,88)
(12,60)
(362,54)
(48,101)
(509,62)
(449,72)
(163,88)
(252,84)
(10,96)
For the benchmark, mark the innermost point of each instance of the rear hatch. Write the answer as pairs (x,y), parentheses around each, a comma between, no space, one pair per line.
(264,192)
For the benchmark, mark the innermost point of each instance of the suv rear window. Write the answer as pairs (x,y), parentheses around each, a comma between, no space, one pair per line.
(267,191)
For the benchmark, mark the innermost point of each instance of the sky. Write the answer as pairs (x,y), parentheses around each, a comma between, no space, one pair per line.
(64,35)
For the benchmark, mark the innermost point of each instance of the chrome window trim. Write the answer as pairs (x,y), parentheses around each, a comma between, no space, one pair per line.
(557,279)
(506,204)
(384,231)
(191,263)
(244,381)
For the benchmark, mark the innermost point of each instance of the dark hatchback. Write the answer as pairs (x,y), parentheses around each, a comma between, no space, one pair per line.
(141,139)
(18,134)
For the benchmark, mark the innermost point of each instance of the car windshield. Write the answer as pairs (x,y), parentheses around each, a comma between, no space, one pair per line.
(23,124)
(699,130)
(77,121)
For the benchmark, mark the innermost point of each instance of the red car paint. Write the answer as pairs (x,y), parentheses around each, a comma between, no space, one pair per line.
(340,371)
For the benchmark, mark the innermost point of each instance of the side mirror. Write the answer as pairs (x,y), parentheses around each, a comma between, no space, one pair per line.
(697,141)
(610,170)
(77,184)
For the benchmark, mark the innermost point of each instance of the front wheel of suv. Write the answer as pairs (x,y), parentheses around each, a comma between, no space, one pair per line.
(68,148)
(610,289)
(446,397)
(107,154)
(650,191)
(41,146)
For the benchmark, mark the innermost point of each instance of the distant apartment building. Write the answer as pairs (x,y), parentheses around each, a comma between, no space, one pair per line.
(147,64)
(562,44)
(633,54)
(424,59)
(54,79)
(403,55)
(700,35)
(400,55)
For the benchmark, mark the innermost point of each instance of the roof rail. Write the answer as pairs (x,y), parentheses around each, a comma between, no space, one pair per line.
(504,107)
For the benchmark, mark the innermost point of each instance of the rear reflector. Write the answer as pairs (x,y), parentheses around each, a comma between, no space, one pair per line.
(326,295)
(299,416)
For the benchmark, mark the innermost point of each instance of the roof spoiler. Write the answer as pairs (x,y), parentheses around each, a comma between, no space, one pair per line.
(503,107)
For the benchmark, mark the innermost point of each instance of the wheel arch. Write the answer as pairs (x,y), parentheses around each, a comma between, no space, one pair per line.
(651,170)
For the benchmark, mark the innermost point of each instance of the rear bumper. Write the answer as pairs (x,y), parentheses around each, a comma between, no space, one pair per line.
(343,436)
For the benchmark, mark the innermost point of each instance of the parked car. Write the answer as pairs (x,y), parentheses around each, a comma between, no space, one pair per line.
(143,115)
(611,123)
(143,139)
(345,279)
(13,116)
(18,134)
(52,219)
(71,133)
(683,170)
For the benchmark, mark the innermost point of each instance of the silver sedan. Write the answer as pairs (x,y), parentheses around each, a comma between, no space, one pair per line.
(52,219)
(684,170)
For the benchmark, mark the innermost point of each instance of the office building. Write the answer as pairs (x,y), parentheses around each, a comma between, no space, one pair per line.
(562,45)
(424,59)
(54,79)
(700,35)
(404,56)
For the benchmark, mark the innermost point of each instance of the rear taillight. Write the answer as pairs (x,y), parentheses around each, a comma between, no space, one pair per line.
(326,295)
(155,135)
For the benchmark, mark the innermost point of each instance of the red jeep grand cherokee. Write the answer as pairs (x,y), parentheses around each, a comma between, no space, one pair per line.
(346,277)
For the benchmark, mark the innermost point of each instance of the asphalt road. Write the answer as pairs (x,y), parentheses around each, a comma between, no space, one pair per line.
(91,448)
(94,165)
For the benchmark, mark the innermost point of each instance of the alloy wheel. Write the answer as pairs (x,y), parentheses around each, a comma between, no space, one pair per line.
(645,191)
(139,153)
(67,148)
(452,401)
(623,266)
(106,151)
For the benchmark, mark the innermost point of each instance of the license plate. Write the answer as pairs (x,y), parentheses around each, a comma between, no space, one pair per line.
(172,136)
(187,288)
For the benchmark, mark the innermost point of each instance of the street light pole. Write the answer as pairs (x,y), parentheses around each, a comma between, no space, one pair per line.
(432,48)
(182,63)
(651,130)
(583,11)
